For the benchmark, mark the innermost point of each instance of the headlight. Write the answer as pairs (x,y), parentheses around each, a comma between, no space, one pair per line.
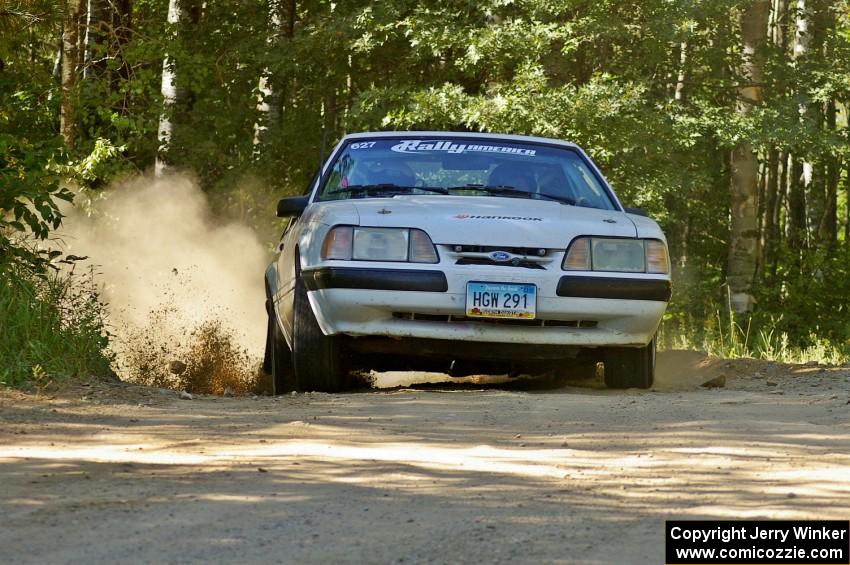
(620,255)
(346,243)
(380,244)
(617,255)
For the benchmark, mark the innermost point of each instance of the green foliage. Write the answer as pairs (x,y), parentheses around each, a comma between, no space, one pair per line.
(52,321)
(810,297)
(29,149)
(53,328)
(724,336)
(29,189)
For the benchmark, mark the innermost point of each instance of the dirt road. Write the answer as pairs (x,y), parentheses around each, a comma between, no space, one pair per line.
(444,474)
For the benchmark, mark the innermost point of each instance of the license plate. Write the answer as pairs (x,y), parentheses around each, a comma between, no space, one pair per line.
(501,300)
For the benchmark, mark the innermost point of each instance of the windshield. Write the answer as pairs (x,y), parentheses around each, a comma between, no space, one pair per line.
(463,166)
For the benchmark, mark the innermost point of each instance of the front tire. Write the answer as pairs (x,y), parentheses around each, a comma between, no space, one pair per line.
(630,367)
(317,357)
(278,358)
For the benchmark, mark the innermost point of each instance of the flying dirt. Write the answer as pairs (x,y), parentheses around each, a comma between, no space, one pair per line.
(181,287)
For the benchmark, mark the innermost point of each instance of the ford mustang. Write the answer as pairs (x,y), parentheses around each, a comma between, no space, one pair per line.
(462,253)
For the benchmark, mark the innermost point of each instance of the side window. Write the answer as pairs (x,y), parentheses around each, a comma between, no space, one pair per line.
(311,183)
(339,175)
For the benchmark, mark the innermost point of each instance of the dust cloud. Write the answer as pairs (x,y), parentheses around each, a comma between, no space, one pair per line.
(180,286)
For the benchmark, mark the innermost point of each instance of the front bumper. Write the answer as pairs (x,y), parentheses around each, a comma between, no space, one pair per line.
(429,303)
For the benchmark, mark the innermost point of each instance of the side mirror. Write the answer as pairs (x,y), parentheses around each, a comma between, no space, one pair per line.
(292,206)
(636,212)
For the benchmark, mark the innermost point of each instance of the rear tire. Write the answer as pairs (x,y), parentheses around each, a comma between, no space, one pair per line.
(317,357)
(630,367)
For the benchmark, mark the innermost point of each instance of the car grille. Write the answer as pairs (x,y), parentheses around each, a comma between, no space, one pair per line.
(521,257)
(488,261)
(450,318)
(536,251)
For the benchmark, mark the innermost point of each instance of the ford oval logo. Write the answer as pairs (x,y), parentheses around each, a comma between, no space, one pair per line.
(500,256)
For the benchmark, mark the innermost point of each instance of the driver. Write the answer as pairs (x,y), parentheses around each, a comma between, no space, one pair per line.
(390,172)
(513,175)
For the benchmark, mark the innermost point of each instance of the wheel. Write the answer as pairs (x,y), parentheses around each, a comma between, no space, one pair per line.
(630,367)
(317,358)
(278,357)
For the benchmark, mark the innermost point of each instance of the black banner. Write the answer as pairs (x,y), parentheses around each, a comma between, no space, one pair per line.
(744,542)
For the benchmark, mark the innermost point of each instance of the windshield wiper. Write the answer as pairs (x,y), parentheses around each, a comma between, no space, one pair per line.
(386,188)
(507,190)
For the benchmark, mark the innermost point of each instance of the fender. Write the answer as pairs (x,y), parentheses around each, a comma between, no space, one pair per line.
(271,284)
(273,298)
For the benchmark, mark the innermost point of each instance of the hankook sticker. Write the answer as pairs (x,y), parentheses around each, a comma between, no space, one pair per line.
(476,217)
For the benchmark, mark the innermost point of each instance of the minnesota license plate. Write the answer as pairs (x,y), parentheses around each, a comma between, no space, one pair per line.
(501,300)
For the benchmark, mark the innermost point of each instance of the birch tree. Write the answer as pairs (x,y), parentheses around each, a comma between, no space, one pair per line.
(169,91)
(97,12)
(679,94)
(268,99)
(826,225)
(800,168)
(744,235)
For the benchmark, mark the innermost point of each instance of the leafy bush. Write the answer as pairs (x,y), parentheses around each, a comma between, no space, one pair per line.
(29,190)
(52,320)
(53,328)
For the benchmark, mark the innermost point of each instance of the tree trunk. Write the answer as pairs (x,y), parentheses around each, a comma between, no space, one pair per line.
(291,85)
(70,61)
(268,98)
(122,25)
(847,201)
(169,91)
(771,190)
(782,199)
(801,30)
(94,61)
(803,169)
(57,60)
(846,104)
(796,225)
(744,236)
(349,96)
(818,23)
(780,25)
(679,95)
(762,187)
(828,228)
(777,184)
(293,14)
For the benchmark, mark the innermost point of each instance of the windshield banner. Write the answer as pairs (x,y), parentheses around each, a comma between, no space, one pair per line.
(417,145)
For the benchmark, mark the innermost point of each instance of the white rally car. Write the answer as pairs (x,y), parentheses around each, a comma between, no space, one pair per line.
(464,253)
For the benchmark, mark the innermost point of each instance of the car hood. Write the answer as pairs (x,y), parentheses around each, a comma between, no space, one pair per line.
(492,220)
